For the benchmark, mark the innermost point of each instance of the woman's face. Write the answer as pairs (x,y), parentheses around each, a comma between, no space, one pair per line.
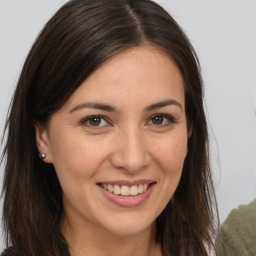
(119,142)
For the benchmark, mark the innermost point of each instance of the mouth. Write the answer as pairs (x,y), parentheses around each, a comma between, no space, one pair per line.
(126,190)
(126,193)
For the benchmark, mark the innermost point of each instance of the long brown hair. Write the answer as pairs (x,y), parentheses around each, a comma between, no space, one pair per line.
(72,45)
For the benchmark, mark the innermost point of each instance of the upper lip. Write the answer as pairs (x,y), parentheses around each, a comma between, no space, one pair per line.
(127,182)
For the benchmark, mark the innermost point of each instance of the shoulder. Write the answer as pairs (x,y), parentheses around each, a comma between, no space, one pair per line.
(9,252)
(242,217)
(237,234)
(244,211)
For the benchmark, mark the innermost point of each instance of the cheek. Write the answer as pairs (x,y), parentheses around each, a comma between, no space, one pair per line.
(74,157)
(171,154)
(76,161)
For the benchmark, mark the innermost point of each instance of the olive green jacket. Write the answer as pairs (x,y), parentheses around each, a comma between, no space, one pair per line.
(238,232)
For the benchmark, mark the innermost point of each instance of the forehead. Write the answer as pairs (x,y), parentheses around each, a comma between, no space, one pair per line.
(142,74)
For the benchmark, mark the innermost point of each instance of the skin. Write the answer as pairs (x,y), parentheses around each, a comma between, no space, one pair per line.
(129,144)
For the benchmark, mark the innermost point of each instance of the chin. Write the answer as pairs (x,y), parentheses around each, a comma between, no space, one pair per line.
(129,226)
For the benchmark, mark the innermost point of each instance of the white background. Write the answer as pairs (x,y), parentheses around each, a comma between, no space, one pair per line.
(223,33)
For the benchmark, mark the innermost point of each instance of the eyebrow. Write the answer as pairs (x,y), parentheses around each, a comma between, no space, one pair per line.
(94,105)
(109,108)
(162,104)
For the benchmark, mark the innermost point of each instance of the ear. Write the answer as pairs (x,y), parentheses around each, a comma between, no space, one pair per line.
(42,142)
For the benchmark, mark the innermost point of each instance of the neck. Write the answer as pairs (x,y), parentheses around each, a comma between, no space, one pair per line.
(92,240)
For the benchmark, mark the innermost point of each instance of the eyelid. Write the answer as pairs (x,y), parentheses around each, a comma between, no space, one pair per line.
(86,119)
(170,118)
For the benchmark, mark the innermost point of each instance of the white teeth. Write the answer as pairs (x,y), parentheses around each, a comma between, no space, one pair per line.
(145,186)
(117,190)
(110,188)
(134,191)
(140,189)
(125,190)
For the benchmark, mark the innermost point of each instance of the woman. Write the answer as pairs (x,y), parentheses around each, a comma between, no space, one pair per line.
(106,149)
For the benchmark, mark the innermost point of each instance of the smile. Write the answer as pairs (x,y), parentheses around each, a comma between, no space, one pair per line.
(125,190)
(126,193)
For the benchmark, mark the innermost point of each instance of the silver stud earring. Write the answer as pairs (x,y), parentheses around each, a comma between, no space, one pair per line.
(42,156)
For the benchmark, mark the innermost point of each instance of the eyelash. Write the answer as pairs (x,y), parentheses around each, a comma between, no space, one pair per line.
(169,118)
(85,121)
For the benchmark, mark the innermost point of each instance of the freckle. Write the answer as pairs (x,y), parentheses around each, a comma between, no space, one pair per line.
(177,145)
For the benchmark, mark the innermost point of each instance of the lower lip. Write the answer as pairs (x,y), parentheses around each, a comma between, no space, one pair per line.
(128,201)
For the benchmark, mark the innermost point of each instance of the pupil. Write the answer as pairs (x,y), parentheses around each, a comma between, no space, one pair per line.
(95,121)
(157,120)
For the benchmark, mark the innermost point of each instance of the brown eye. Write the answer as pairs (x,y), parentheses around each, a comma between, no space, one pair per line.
(157,120)
(95,121)
(161,120)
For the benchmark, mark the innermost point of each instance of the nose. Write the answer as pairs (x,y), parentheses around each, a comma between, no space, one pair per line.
(131,152)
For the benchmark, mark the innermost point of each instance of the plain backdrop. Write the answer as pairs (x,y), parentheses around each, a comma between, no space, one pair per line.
(223,33)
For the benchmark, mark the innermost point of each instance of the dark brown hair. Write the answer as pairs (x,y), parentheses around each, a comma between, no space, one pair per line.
(72,45)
